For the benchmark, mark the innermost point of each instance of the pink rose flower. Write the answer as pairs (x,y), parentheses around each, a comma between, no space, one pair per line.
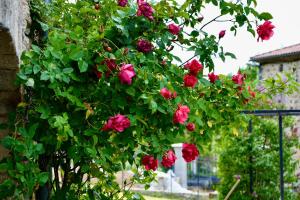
(169,158)
(194,66)
(150,162)
(122,3)
(144,46)
(212,77)
(126,74)
(222,34)
(238,78)
(174,29)
(145,9)
(117,123)
(265,31)
(181,114)
(189,152)
(166,93)
(190,126)
(190,80)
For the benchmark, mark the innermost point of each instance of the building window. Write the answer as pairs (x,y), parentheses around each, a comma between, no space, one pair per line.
(281,68)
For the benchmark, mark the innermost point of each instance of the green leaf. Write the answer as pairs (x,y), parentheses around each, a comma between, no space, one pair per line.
(83,66)
(265,16)
(45,76)
(43,177)
(30,82)
(68,70)
(76,54)
(36,69)
(230,55)
(44,110)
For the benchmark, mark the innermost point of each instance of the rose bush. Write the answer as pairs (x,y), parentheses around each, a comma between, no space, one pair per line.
(77,122)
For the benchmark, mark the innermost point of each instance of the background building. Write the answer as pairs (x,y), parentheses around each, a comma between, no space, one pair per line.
(286,59)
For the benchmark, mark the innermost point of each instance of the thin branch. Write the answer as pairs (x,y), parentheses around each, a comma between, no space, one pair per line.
(183,47)
(187,60)
(214,19)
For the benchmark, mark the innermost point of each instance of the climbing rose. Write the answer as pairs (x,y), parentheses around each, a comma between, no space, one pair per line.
(212,77)
(97,73)
(166,93)
(122,3)
(194,66)
(189,152)
(118,123)
(110,63)
(150,162)
(126,74)
(190,80)
(238,78)
(174,95)
(174,29)
(190,126)
(145,9)
(265,31)
(222,34)
(168,159)
(144,46)
(252,93)
(181,114)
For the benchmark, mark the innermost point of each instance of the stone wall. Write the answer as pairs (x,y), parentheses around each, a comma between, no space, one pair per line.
(270,70)
(14,22)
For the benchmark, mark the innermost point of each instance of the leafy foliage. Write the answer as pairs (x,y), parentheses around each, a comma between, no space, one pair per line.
(70,93)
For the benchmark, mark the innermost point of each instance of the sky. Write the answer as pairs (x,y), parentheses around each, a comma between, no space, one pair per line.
(286,18)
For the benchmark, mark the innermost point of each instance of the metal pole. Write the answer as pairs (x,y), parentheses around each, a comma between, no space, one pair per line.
(250,158)
(281,157)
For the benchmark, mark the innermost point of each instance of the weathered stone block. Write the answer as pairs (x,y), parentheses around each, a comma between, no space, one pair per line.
(8,61)
(7,79)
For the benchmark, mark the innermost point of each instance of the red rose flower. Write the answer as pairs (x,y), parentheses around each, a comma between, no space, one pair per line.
(212,77)
(189,152)
(145,9)
(126,74)
(166,93)
(181,114)
(118,123)
(122,3)
(150,162)
(174,95)
(194,66)
(252,93)
(190,80)
(238,78)
(169,158)
(97,73)
(190,126)
(144,46)
(222,34)
(110,63)
(265,31)
(174,29)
